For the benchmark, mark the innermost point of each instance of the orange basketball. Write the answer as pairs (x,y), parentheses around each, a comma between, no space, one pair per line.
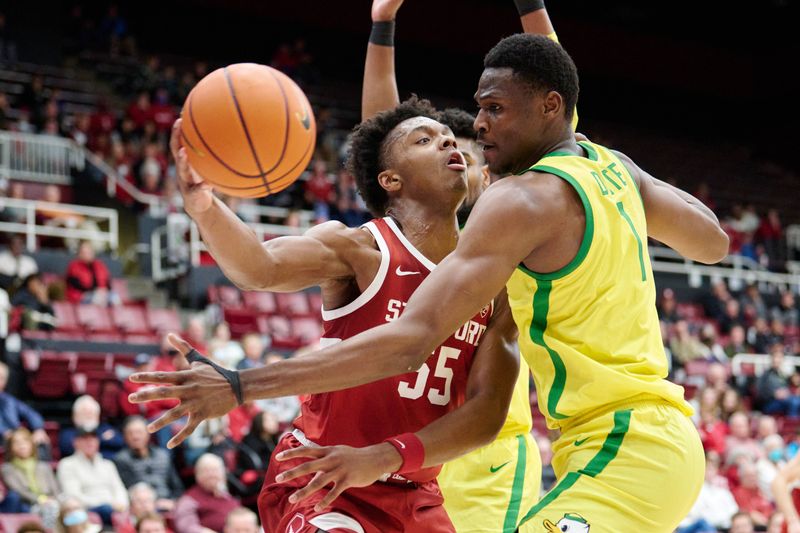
(248,130)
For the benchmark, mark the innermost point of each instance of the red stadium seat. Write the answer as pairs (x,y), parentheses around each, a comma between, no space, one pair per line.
(240,321)
(280,329)
(164,320)
(130,319)
(306,330)
(67,335)
(120,287)
(10,523)
(224,295)
(696,367)
(93,362)
(66,319)
(263,302)
(315,301)
(293,304)
(52,377)
(95,318)
(142,338)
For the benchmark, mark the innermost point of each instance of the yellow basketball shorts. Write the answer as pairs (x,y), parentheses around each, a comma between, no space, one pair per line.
(488,489)
(637,468)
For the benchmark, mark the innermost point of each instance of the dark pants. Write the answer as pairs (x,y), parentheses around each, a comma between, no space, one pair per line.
(105,511)
(788,406)
(13,504)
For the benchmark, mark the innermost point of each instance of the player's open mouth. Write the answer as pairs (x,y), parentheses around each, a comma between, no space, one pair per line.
(456,162)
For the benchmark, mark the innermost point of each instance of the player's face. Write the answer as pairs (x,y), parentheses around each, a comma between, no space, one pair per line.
(509,124)
(425,155)
(477,173)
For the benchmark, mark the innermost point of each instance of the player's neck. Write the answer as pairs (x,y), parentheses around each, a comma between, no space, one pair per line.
(433,232)
(564,142)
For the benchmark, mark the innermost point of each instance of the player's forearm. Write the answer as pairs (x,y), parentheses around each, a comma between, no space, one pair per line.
(373,355)
(538,23)
(234,246)
(783,500)
(379,92)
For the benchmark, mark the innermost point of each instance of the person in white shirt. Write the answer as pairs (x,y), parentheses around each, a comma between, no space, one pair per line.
(15,266)
(715,505)
(91,479)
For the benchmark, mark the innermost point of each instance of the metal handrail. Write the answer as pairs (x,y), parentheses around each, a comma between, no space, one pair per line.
(43,158)
(31,229)
(761,362)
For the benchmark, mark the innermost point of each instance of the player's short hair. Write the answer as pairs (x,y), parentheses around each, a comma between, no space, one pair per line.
(541,63)
(368,153)
(459,121)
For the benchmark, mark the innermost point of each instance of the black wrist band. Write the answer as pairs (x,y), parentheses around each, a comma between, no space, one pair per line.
(382,33)
(528,6)
(231,375)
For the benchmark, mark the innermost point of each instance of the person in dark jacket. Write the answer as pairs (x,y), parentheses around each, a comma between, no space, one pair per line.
(773,387)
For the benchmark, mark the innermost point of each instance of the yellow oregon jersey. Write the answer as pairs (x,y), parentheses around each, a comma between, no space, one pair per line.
(590,331)
(519,420)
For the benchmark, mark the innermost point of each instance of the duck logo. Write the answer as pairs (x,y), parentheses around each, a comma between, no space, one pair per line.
(570,523)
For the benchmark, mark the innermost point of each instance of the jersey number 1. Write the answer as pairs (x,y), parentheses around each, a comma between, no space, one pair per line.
(435,396)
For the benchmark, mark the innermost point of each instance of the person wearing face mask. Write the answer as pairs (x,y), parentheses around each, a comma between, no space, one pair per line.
(767,467)
(73,518)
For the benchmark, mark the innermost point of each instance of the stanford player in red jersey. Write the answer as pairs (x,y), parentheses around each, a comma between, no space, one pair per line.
(409,171)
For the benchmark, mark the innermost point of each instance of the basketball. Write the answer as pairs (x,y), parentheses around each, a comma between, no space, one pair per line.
(248,130)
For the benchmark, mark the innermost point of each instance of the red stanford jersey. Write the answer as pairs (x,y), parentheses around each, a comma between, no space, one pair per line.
(370,413)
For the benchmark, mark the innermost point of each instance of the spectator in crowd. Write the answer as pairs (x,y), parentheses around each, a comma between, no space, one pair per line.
(257,446)
(731,316)
(86,416)
(742,522)
(786,311)
(685,346)
(151,523)
(222,349)
(749,496)
(30,478)
(86,475)
(767,426)
(760,336)
(739,442)
(5,123)
(668,307)
(752,300)
(210,436)
(767,467)
(240,420)
(770,233)
(714,302)
(5,311)
(140,462)
(737,342)
(320,191)
(142,502)
(206,505)
(285,408)
(717,377)
(10,501)
(715,505)
(253,348)
(730,403)
(196,333)
(32,526)
(14,412)
(73,517)
(88,279)
(33,298)
(139,111)
(15,264)
(241,520)
(709,339)
(773,388)
(712,429)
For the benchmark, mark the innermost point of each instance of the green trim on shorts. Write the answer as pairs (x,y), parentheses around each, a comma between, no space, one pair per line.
(609,450)
(510,522)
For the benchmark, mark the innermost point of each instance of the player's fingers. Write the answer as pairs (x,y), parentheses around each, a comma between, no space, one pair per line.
(318,483)
(312,452)
(304,469)
(335,492)
(175,139)
(179,344)
(187,430)
(158,378)
(176,413)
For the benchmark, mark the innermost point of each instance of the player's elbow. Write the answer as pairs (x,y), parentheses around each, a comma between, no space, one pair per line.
(716,248)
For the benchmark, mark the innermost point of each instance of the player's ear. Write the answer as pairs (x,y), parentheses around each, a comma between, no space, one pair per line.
(486,176)
(553,103)
(390,181)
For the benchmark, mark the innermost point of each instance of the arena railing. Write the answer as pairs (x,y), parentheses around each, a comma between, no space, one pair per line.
(43,158)
(761,362)
(737,270)
(78,222)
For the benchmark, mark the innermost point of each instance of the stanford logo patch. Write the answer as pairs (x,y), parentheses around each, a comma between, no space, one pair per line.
(484,311)
(297,524)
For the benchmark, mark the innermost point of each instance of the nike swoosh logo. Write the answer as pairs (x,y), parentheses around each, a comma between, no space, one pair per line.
(579,442)
(494,469)
(400,272)
(400,443)
(305,120)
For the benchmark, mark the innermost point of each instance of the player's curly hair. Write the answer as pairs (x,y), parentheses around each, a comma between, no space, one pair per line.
(539,61)
(459,121)
(369,153)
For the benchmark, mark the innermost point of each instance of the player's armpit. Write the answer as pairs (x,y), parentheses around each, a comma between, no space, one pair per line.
(678,219)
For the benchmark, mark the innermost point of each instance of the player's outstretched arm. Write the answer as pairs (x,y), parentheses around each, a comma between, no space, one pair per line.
(474,424)
(534,18)
(678,219)
(324,253)
(379,92)
(781,490)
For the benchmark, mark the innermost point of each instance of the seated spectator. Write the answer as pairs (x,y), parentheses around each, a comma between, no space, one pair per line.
(739,442)
(240,420)
(222,349)
(319,190)
(253,348)
(760,336)
(749,497)
(712,429)
(257,446)
(210,436)
(206,505)
(142,500)
(31,479)
(151,523)
(685,345)
(773,388)
(32,527)
(86,416)
(714,505)
(767,467)
(742,522)
(786,311)
(731,317)
(752,299)
(15,265)
(141,462)
(196,333)
(737,342)
(709,339)
(285,408)
(668,307)
(730,403)
(88,279)
(767,426)
(241,520)
(94,481)
(10,501)
(32,297)
(14,412)
(73,518)
(52,214)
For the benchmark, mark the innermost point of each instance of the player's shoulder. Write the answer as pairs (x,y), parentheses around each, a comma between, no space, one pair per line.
(339,236)
(532,192)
